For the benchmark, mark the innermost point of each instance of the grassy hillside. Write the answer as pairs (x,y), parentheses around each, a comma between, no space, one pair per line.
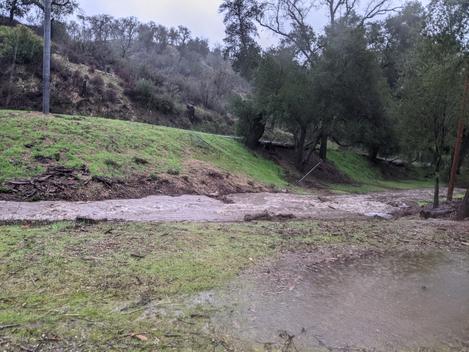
(368,177)
(30,143)
(113,148)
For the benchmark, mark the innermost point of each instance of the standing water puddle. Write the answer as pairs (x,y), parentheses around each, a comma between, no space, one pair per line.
(386,304)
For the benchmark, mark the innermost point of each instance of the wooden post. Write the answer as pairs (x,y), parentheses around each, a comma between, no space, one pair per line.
(46,58)
(463,211)
(458,144)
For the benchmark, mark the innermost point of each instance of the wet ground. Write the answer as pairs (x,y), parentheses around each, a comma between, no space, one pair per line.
(231,208)
(397,302)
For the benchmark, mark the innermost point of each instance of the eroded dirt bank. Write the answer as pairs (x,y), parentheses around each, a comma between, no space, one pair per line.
(235,207)
(72,184)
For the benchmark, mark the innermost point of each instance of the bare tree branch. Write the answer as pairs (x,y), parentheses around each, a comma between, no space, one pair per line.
(300,33)
(377,8)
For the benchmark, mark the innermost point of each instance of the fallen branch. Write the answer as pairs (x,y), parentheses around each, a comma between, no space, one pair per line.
(9,326)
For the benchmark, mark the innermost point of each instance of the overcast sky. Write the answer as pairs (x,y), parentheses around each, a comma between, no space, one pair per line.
(200,16)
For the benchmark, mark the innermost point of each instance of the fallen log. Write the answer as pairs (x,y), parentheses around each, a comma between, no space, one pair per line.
(266,216)
(436,213)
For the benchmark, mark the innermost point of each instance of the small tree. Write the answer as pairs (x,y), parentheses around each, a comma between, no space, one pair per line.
(352,91)
(431,102)
(18,46)
(285,88)
(251,120)
(125,32)
(15,8)
(432,85)
(240,31)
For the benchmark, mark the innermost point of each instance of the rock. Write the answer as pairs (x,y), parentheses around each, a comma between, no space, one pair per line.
(406,211)
(259,216)
(382,216)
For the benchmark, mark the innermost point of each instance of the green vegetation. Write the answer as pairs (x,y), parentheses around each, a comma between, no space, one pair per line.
(122,149)
(118,148)
(89,286)
(386,86)
(84,287)
(367,177)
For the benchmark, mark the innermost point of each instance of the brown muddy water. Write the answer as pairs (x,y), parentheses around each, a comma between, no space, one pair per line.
(235,207)
(399,302)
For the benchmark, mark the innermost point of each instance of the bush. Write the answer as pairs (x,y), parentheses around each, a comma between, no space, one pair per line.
(251,122)
(144,90)
(28,45)
(145,93)
(97,81)
(165,105)
(110,95)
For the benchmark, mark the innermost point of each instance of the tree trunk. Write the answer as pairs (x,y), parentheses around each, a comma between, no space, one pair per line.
(373,153)
(300,148)
(464,151)
(46,58)
(436,195)
(11,17)
(464,209)
(456,156)
(12,74)
(323,147)
(256,132)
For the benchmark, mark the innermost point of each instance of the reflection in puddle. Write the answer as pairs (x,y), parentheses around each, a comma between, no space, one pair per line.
(392,303)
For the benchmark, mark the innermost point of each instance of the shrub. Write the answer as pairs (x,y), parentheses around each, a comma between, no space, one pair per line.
(145,93)
(163,104)
(97,81)
(144,90)
(110,95)
(28,45)
(251,123)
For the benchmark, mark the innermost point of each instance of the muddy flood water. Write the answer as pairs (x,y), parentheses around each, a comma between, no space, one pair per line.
(399,302)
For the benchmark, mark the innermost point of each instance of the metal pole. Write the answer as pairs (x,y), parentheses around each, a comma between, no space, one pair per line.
(46,58)
(310,171)
(458,144)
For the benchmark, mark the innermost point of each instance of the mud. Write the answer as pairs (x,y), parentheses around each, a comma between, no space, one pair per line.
(232,208)
(60,183)
(399,301)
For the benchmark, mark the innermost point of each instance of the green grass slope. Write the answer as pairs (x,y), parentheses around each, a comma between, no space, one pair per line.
(116,148)
(367,177)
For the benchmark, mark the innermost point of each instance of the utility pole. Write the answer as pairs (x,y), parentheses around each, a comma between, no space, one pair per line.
(46,58)
(458,143)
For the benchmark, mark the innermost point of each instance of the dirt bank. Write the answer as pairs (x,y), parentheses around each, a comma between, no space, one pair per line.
(61,183)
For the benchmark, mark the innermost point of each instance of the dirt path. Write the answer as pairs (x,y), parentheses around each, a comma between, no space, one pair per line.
(233,208)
